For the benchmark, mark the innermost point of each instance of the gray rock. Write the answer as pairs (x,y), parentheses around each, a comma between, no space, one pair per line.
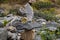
(52,28)
(1,10)
(3,34)
(58,39)
(27,26)
(13,20)
(52,24)
(41,20)
(8,18)
(1,19)
(5,18)
(1,25)
(37,37)
(9,15)
(58,21)
(12,35)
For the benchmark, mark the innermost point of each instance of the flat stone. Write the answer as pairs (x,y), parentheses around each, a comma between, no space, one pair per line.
(52,24)
(52,28)
(8,18)
(27,26)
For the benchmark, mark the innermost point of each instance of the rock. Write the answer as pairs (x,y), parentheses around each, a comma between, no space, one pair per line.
(13,20)
(41,20)
(8,18)
(58,21)
(11,28)
(1,25)
(52,24)
(52,28)
(1,10)
(9,15)
(16,23)
(5,18)
(3,34)
(27,26)
(37,37)
(12,35)
(58,39)
(1,19)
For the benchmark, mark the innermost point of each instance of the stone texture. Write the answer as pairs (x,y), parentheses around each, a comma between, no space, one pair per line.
(1,24)
(52,24)
(27,26)
(3,34)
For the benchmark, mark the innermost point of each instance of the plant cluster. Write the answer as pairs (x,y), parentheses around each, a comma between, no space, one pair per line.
(40,4)
(47,34)
(46,14)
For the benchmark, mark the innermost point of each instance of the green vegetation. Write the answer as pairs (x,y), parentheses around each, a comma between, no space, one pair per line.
(45,9)
(13,11)
(57,32)
(40,4)
(46,14)
(47,34)
(2,14)
(5,22)
(3,1)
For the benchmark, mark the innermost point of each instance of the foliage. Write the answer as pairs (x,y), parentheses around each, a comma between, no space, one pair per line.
(57,19)
(2,1)
(57,32)
(13,11)
(23,20)
(5,22)
(47,34)
(2,14)
(46,14)
(40,4)
(16,12)
(58,2)
(45,10)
